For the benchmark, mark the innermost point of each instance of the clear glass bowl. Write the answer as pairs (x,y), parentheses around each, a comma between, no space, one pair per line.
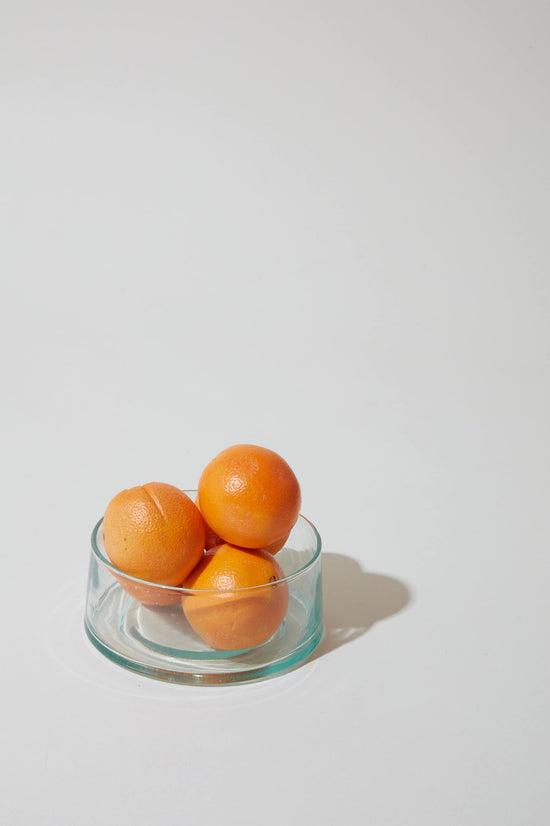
(143,627)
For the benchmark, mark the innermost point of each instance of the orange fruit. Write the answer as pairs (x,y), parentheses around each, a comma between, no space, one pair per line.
(273,547)
(249,496)
(156,533)
(212,539)
(242,604)
(150,595)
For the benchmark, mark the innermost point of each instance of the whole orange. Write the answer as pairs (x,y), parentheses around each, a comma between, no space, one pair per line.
(153,532)
(249,496)
(242,603)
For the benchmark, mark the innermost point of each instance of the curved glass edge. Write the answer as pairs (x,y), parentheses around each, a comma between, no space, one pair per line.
(284,665)
(173,588)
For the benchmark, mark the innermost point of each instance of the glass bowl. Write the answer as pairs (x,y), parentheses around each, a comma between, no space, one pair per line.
(144,628)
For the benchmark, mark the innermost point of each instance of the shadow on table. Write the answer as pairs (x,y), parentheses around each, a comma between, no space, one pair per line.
(353,600)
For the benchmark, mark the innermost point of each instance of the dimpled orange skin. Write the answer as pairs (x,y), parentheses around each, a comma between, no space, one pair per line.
(231,619)
(249,496)
(212,539)
(156,533)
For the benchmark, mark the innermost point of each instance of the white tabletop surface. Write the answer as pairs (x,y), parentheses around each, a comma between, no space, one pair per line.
(322,228)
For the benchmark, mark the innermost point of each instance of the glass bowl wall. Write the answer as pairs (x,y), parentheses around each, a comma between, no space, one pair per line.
(142,626)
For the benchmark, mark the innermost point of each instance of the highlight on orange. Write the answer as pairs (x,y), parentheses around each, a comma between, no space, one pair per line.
(153,532)
(249,496)
(243,602)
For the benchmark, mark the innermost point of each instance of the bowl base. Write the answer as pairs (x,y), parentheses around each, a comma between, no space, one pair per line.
(159,643)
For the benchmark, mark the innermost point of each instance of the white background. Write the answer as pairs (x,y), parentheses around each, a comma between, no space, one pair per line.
(321,227)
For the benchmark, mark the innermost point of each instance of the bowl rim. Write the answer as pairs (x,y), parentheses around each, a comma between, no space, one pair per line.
(102,559)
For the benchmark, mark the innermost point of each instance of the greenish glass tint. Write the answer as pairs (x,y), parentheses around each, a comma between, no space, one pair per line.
(157,641)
